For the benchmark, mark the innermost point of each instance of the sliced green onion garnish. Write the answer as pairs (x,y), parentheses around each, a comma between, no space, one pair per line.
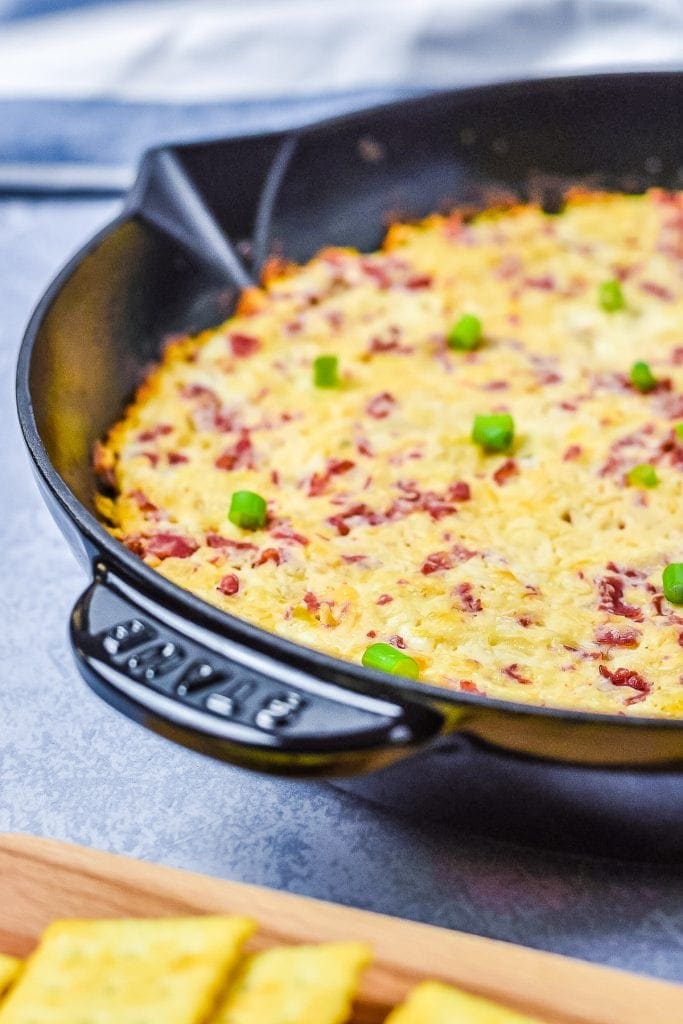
(466,333)
(494,432)
(642,377)
(679,430)
(247,510)
(611,297)
(326,372)
(643,475)
(388,659)
(672,580)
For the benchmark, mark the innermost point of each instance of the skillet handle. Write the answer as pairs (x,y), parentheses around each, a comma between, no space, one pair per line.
(227,701)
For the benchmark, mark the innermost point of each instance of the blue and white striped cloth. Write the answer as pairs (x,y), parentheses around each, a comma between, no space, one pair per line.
(95,82)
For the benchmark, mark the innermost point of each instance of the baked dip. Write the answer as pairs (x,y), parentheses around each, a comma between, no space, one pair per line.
(459,458)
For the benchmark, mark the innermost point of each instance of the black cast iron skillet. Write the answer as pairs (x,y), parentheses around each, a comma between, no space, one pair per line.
(197,227)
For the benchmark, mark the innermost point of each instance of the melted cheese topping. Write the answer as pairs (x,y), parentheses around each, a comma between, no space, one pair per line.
(533,575)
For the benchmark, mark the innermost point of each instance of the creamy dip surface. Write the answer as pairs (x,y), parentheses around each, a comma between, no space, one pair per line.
(527,567)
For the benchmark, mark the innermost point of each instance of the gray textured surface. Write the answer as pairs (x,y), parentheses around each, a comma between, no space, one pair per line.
(73,769)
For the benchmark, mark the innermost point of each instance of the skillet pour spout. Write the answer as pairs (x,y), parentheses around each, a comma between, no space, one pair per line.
(197,227)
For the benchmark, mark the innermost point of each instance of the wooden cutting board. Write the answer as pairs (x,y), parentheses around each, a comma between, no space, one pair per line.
(42,879)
